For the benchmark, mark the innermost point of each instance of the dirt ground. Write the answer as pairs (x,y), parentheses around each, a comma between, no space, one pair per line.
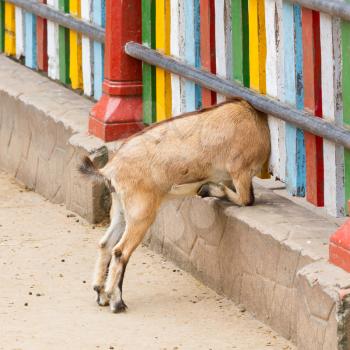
(46,300)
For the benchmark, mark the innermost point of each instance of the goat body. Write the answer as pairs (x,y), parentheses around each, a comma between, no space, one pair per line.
(196,153)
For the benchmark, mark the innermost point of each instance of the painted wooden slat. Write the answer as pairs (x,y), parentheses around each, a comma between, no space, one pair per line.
(207,46)
(19,13)
(64,46)
(10,29)
(53,45)
(257,45)
(240,41)
(345,31)
(257,53)
(41,41)
(190,55)
(332,111)
(163,79)
(197,44)
(313,103)
(294,138)
(300,147)
(87,50)
(99,19)
(75,49)
(177,49)
(2,25)
(30,41)
(274,82)
(223,41)
(148,71)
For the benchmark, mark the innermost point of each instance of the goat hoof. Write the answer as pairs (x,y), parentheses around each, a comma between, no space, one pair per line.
(102,299)
(118,307)
(204,191)
(97,289)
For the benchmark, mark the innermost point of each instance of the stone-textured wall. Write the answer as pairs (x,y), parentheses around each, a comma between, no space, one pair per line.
(43,138)
(257,256)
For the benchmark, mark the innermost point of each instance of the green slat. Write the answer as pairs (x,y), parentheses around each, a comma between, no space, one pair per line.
(148,72)
(346,97)
(2,25)
(64,46)
(240,41)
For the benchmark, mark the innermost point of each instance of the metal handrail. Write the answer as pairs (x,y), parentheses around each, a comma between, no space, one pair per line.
(288,113)
(336,8)
(66,20)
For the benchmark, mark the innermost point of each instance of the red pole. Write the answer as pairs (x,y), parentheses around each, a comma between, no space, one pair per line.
(339,247)
(119,111)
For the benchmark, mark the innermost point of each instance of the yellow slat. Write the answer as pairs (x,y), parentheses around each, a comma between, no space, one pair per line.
(257,54)
(257,45)
(10,29)
(163,79)
(75,58)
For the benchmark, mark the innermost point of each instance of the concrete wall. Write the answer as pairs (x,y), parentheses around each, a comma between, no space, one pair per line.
(260,257)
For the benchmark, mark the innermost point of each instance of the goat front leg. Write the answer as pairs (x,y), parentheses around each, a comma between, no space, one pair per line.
(106,244)
(243,195)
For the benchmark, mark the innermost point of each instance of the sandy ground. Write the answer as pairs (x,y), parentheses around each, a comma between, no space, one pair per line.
(46,300)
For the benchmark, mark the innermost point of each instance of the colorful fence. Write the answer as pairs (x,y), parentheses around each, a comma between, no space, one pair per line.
(63,54)
(294,54)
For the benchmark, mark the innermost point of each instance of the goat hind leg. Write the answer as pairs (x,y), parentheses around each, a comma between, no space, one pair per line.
(106,244)
(121,253)
(139,217)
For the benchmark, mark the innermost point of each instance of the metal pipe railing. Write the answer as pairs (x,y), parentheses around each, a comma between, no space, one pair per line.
(336,8)
(290,114)
(64,19)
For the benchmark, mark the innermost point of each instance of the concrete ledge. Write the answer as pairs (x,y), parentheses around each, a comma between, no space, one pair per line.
(271,258)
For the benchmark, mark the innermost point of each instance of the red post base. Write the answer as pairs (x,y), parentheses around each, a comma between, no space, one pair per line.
(339,247)
(115,117)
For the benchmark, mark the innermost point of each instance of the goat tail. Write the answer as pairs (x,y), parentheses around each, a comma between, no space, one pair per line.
(88,169)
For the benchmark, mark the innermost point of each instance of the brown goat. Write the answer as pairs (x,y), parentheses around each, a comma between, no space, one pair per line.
(192,154)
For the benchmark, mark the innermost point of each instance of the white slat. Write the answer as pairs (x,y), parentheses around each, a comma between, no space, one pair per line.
(19,32)
(53,46)
(332,111)
(87,50)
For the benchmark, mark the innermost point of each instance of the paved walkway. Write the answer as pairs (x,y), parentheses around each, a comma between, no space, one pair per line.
(46,300)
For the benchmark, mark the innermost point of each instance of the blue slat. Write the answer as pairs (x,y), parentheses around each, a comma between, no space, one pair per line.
(30,41)
(99,14)
(293,94)
(197,49)
(301,160)
(190,54)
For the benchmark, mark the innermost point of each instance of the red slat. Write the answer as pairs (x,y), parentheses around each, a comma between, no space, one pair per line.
(207,32)
(313,103)
(41,39)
